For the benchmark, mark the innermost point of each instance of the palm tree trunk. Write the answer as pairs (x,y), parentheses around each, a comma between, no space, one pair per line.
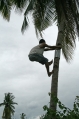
(54,83)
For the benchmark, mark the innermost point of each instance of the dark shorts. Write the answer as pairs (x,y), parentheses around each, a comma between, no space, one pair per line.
(38,58)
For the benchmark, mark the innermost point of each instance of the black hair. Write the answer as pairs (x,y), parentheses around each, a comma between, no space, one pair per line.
(41,41)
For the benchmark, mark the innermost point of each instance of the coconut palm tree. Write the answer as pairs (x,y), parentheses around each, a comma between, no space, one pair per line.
(65,14)
(23,116)
(8,106)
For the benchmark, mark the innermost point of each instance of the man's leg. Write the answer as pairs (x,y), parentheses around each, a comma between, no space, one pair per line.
(47,68)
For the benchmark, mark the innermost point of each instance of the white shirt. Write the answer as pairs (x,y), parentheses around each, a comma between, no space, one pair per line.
(37,49)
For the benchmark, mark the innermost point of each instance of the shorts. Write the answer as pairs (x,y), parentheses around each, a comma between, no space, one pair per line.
(38,58)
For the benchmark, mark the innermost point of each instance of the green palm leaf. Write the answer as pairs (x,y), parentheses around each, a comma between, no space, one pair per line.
(26,20)
(5,9)
(24,25)
(2,104)
(19,4)
(8,104)
(46,17)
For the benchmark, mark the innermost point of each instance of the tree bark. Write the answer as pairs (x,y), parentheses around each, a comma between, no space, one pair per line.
(54,82)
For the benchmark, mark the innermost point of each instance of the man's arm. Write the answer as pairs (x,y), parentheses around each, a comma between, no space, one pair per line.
(52,47)
(48,49)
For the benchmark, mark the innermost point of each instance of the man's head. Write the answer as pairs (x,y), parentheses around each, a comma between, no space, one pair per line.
(41,41)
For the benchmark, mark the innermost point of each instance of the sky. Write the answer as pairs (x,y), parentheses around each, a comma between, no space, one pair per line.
(28,81)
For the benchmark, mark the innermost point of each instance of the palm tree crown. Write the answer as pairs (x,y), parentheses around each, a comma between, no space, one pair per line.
(23,116)
(45,12)
(8,106)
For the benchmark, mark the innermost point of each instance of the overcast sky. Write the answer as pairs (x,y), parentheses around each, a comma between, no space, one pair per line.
(28,81)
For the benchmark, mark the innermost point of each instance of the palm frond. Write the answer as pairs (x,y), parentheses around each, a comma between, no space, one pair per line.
(2,104)
(24,25)
(68,46)
(19,4)
(44,14)
(26,20)
(29,7)
(71,29)
(5,8)
(14,103)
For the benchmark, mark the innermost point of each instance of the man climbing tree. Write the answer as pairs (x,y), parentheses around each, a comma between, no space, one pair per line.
(36,54)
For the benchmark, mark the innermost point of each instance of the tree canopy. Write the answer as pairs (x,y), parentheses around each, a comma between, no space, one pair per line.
(46,12)
(8,104)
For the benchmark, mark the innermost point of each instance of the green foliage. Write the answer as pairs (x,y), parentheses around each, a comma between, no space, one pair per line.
(63,112)
(5,8)
(44,14)
(47,12)
(23,116)
(8,106)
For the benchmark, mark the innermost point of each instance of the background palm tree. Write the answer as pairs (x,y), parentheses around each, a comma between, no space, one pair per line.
(8,106)
(23,116)
(65,14)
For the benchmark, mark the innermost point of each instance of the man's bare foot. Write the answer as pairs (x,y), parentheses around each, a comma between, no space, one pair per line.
(50,62)
(50,73)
